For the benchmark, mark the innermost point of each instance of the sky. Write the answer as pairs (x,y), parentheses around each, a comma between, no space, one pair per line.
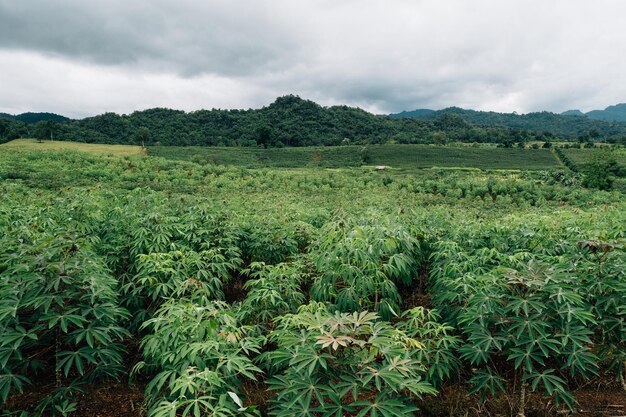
(81,58)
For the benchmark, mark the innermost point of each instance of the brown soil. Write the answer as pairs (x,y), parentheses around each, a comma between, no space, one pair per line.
(101,400)
(120,400)
(599,401)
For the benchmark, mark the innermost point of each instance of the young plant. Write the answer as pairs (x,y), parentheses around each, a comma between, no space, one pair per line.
(361,266)
(200,355)
(335,364)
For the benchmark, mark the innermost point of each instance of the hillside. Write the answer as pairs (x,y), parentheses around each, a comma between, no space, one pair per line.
(294,122)
(31,117)
(288,121)
(616,113)
(570,125)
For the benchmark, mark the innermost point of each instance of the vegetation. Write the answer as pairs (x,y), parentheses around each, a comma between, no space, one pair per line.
(548,125)
(33,144)
(405,157)
(293,122)
(233,290)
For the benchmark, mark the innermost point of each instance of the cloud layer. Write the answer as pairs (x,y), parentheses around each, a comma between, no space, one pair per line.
(81,58)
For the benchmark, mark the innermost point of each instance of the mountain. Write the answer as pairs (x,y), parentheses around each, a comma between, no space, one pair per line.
(293,121)
(572,125)
(573,113)
(31,117)
(616,113)
(419,114)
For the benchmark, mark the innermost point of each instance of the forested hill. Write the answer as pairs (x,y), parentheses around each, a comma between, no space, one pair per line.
(570,125)
(31,117)
(292,121)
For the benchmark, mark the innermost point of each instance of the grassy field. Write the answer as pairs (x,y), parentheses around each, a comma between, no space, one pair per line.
(395,156)
(426,156)
(582,156)
(32,144)
(401,157)
(335,157)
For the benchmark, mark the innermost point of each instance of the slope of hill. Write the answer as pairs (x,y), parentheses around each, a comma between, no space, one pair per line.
(293,121)
(571,125)
(616,113)
(31,117)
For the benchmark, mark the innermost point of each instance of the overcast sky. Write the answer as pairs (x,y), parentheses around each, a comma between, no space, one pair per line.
(81,58)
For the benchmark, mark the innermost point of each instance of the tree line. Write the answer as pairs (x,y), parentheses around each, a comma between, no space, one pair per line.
(288,121)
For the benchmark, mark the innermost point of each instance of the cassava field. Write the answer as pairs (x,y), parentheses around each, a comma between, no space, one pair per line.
(210,284)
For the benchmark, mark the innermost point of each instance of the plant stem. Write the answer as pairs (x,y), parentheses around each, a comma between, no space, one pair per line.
(57,371)
(621,376)
(522,400)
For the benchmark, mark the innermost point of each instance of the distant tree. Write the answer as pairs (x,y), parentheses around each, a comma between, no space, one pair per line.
(45,130)
(142,136)
(439,138)
(546,145)
(264,135)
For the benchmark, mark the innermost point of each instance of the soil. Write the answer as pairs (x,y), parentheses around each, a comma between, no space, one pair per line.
(121,400)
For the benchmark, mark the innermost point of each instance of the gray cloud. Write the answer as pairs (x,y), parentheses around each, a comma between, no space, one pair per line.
(80,58)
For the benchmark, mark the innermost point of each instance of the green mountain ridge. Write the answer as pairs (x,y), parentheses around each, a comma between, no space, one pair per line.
(293,121)
(572,124)
(35,117)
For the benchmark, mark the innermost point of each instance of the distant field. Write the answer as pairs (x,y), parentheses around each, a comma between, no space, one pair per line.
(582,156)
(395,156)
(328,157)
(426,156)
(32,144)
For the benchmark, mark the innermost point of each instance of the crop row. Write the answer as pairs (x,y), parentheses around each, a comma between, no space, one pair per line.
(325,299)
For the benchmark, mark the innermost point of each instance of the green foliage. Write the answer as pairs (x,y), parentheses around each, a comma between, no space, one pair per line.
(541,124)
(600,171)
(200,355)
(213,268)
(531,305)
(343,363)
(293,122)
(59,310)
(361,266)
(273,290)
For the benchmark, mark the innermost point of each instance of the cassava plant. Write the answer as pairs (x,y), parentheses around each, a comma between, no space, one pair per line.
(336,364)
(199,355)
(361,266)
(59,315)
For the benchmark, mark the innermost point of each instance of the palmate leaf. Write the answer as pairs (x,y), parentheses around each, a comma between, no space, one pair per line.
(575,335)
(383,407)
(552,385)
(583,362)
(11,382)
(75,359)
(528,356)
(474,353)
(14,337)
(485,381)
(335,342)
(310,360)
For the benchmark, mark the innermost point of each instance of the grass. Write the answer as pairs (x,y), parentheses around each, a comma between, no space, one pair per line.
(426,156)
(327,157)
(581,156)
(33,144)
(403,157)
